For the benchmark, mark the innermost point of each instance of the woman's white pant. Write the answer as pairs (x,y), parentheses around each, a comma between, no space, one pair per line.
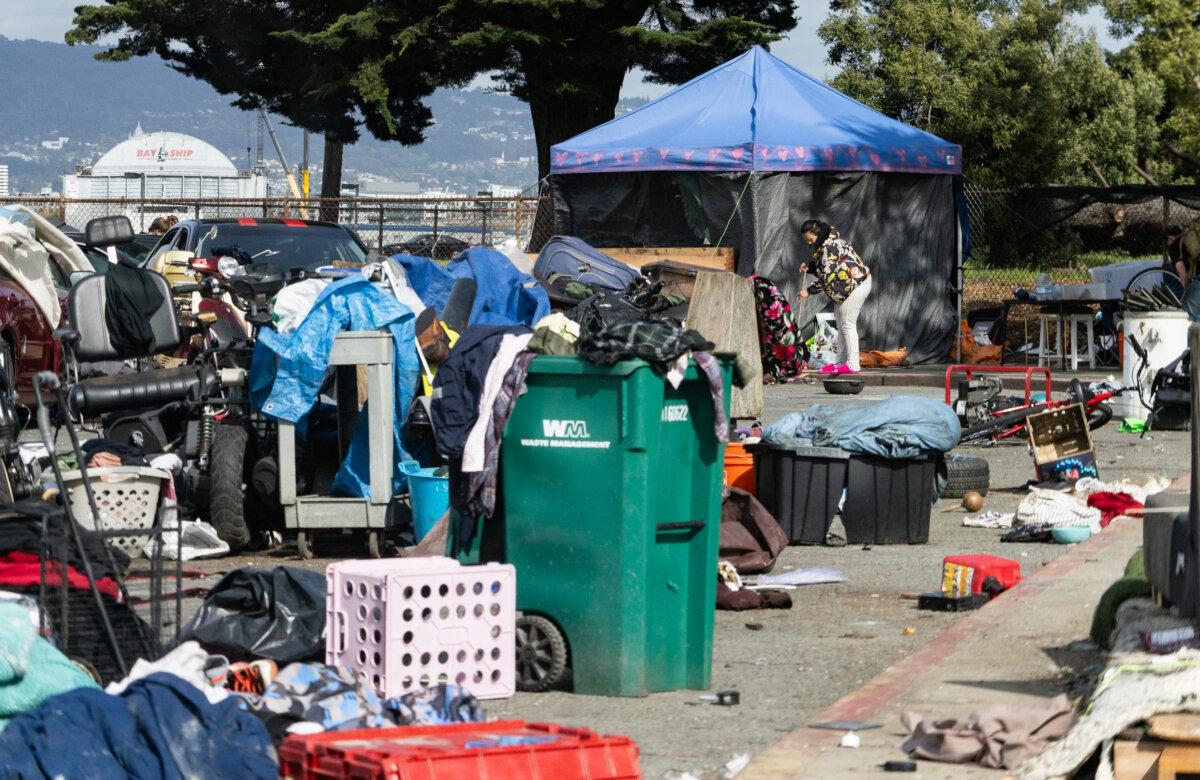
(846,314)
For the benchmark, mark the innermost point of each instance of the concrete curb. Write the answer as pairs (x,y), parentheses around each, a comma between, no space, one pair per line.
(788,756)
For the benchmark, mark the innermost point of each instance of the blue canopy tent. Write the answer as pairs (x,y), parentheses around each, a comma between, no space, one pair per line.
(742,155)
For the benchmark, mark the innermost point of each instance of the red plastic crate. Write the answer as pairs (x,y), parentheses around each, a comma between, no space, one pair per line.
(979,567)
(502,750)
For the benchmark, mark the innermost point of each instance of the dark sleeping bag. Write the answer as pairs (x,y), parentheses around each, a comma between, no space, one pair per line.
(130,299)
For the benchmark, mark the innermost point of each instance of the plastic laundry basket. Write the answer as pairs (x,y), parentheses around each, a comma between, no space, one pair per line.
(126,496)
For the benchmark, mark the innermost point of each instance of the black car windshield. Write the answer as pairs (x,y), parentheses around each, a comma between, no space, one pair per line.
(286,246)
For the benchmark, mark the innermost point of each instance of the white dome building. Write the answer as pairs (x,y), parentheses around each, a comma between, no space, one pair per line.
(163,165)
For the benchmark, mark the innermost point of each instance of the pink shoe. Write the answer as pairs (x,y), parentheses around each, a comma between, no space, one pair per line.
(844,368)
(829,369)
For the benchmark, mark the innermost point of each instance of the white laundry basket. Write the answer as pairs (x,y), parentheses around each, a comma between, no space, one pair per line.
(126,497)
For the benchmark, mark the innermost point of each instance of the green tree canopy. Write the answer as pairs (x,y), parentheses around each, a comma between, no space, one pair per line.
(1166,44)
(258,52)
(566,58)
(1029,97)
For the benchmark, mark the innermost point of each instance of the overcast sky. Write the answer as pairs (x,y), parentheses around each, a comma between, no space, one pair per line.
(47,20)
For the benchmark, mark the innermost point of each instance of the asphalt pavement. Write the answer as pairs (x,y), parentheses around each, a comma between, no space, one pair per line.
(790,665)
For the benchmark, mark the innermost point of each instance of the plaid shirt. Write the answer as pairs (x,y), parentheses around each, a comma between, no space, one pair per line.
(657,342)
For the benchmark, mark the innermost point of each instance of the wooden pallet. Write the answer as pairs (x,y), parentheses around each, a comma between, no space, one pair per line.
(1169,751)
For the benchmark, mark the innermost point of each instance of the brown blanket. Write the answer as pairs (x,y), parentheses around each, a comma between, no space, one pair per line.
(751,538)
(996,737)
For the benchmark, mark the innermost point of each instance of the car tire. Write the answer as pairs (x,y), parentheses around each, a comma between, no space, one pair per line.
(227,485)
(964,474)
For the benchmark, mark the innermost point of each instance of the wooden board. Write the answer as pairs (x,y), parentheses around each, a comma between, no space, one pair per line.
(1177,760)
(1176,727)
(722,310)
(720,259)
(1135,759)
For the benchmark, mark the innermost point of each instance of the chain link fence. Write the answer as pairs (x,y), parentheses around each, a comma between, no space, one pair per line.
(1064,232)
(438,228)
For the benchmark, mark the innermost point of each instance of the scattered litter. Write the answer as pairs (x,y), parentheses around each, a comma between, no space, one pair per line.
(899,766)
(972,501)
(735,765)
(722,698)
(845,725)
(990,520)
(200,540)
(812,575)
(850,740)
(943,602)
(754,626)
(1169,640)
(1131,425)
(909,631)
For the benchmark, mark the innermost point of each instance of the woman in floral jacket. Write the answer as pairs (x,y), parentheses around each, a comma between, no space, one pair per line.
(844,277)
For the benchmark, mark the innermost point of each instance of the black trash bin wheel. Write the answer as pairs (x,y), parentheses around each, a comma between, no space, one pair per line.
(964,474)
(541,654)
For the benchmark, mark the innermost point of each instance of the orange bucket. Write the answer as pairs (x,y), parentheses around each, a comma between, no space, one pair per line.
(739,467)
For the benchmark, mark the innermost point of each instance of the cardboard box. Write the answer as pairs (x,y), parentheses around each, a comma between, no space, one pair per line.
(1062,443)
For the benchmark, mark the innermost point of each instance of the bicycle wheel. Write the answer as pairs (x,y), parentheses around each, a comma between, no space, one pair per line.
(1099,416)
(999,423)
(1151,278)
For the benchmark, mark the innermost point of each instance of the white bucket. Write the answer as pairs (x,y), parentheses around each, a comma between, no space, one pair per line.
(1163,334)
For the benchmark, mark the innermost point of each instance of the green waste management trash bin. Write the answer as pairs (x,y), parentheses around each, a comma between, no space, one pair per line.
(609,508)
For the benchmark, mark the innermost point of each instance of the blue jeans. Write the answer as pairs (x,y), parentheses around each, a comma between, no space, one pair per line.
(1191,301)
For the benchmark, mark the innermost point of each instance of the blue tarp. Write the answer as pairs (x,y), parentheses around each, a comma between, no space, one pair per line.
(755,113)
(504,295)
(288,370)
(900,427)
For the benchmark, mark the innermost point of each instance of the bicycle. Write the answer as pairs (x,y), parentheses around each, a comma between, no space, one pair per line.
(997,422)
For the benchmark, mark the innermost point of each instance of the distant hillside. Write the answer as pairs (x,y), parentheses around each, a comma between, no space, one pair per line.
(56,91)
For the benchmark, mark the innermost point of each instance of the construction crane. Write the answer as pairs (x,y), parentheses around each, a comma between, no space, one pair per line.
(291,178)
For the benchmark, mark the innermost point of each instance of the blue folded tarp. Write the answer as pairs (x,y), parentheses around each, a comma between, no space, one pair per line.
(288,370)
(504,295)
(900,427)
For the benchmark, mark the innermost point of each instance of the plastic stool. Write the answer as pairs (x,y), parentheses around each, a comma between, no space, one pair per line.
(1044,323)
(1073,321)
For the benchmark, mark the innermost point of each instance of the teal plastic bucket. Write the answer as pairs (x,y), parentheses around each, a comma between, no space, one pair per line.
(429,496)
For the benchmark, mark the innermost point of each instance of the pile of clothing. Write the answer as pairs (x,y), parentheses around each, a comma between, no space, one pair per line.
(216,708)
(73,611)
(1089,503)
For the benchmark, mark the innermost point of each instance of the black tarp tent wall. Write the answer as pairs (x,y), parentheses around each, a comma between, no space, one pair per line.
(743,154)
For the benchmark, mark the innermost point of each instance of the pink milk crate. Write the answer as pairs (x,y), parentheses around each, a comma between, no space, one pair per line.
(405,623)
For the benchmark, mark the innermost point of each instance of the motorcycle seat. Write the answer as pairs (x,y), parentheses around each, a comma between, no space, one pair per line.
(128,392)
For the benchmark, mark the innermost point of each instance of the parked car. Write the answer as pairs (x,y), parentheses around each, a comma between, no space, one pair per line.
(27,345)
(429,245)
(287,243)
(131,254)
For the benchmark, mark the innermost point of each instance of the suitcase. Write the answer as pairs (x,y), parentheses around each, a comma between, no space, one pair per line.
(576,259)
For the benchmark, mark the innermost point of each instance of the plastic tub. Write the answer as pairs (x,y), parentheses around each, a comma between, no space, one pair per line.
(429,495)
(801,487)
(889,501)
(460,751)
(739,467)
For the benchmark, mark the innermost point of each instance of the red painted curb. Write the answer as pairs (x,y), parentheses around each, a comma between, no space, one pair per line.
(904,676)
